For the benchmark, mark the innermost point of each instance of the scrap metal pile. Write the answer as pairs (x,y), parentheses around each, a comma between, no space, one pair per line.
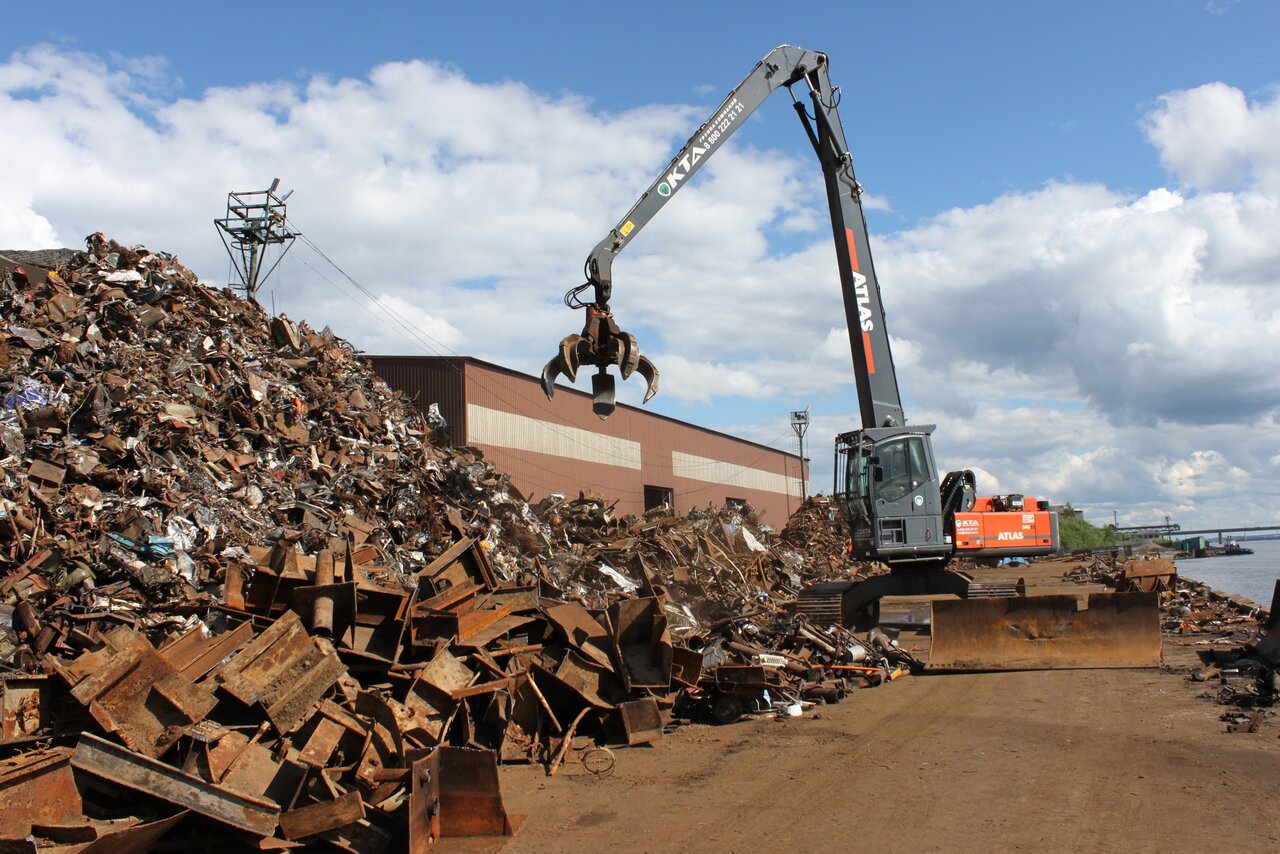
(1148,573)
(816,531)
(1237,642)
(1238,646)
(1187,607)
(245,594)
(1192,608)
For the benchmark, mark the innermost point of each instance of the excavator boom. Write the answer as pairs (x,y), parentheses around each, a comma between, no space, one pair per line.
(602,344)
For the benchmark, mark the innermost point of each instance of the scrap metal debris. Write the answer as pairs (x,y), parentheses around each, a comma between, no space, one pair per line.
(1240,655)
(246,593)
(1236,641)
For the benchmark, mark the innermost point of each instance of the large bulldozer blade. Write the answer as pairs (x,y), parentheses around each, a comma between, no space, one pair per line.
(1046,632)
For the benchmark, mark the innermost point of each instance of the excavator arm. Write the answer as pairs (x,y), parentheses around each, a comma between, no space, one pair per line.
(602,343)
(783,67)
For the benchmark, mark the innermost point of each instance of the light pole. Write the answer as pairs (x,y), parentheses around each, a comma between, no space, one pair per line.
(800,423)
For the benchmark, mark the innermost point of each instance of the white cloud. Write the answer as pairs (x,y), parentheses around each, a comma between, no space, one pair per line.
(409,319)
(1071,341)
(1220,7)
(1212,138)
(1158,307)
(20,226)
(873,202)
(1204,474)
(703,381)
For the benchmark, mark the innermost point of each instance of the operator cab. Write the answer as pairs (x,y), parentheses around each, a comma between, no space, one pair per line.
(887,489)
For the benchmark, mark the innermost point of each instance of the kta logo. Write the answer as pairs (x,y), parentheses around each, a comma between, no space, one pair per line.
(686,163)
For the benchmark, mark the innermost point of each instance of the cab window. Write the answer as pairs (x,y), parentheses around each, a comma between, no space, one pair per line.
(904,468)
(919,462)
(857,482)
(895,471)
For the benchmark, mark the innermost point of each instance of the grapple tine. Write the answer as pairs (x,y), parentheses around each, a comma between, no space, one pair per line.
(569,355)
(566,363)
(550,371)
(628,355)
(649,371)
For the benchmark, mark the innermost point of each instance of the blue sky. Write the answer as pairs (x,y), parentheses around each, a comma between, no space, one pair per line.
(1071,204)
(951,103)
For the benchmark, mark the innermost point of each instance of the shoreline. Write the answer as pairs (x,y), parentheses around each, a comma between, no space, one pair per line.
(1237,599)
(1241,602)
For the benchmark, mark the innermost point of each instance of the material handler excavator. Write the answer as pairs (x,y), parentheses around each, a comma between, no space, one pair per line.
(886,484)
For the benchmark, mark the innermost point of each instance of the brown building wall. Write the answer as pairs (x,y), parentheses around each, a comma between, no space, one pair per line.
(561,446)
(440,382)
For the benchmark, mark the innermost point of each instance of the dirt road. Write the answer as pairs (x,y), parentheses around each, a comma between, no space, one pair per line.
(1085,760)
(1071,760)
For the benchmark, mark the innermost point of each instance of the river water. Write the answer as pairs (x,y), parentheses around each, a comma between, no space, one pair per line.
(1253,576)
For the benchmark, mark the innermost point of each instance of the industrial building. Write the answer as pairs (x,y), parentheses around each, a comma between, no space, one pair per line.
(641,459)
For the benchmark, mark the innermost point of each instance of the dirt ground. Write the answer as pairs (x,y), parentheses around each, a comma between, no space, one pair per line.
(1082,760)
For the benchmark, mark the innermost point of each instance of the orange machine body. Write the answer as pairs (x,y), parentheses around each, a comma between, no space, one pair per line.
(994,528)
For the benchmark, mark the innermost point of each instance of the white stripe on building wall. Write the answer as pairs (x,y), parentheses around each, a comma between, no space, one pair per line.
(519,432)
(717,471)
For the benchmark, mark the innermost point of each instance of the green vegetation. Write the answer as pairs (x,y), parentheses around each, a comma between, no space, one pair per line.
(1076,533)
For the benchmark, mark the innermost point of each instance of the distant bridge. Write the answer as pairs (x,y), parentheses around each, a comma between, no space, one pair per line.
(1220,530)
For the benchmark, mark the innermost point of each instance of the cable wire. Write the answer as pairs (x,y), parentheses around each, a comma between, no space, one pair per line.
(426,342)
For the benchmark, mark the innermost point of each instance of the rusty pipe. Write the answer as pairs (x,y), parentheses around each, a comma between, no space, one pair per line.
(27,616)
(322,611)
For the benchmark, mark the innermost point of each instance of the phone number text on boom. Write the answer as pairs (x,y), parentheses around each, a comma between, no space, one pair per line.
(721,123)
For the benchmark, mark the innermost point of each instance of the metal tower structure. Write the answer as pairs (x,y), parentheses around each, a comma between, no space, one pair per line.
(254,222)
(800,424)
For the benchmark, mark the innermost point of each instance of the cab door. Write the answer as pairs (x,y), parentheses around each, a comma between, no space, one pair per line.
(906,500)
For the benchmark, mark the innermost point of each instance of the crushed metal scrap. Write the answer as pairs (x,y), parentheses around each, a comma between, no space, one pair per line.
(246,594)
(1238,645)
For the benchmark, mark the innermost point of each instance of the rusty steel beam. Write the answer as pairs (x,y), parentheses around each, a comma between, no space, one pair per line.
(115,764)
(315,819)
